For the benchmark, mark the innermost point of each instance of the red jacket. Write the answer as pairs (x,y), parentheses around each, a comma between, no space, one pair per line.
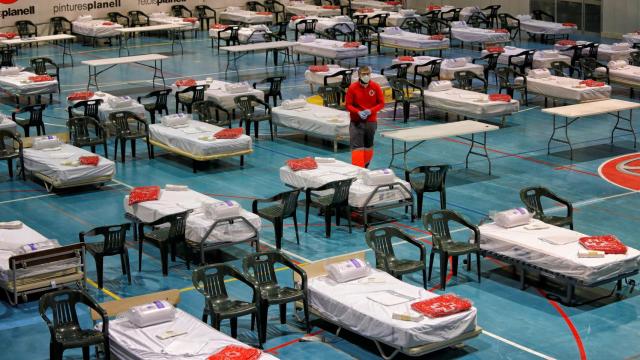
(361,98)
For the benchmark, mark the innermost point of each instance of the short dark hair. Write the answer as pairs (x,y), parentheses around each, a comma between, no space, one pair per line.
(363,68)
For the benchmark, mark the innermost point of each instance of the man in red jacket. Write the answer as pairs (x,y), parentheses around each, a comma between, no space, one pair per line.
(363,101)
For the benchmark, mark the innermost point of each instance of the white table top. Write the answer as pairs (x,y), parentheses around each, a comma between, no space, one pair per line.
(592,108)
(152,28)
(125,60)
(259,46)
(439,131)
(37,39)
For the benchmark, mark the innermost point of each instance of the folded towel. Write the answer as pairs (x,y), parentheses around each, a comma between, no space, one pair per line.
(170,187)
(617,64)
(538,73)
(455,63)
(441,85)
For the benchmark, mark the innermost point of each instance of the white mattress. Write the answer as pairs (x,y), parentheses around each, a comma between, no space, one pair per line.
(469,103)
(94,28)
(105,109)
(216,92)
(339,170)
(311,10)
(317,78)
(331,49)
(467,33)
(412,40)
(632,38)
(245,35)
(183,139)
(314,119)
(48,163)
(200,341)
(606,53)
(546,27)
(525,245)
(346,24)
(565,88)
(357,4)
(539,61)
(628,75)
(446,72)
(162,20)
(173,202)
(245,16)
(21,85)
(347,303)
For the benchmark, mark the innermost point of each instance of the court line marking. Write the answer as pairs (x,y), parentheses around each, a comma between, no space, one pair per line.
(104,290)
(518,346)
(25,198)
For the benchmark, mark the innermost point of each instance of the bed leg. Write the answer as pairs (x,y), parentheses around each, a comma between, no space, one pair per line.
(385,356)
(522,279)
(283,313)
(241,160)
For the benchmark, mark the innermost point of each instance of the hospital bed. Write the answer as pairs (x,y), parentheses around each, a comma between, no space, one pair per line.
(218,92)
(606,52)
(203,233)
(542,59)
(109,106)
(19,84)
(447,68)
(465,33)
(396,38)
(546,29)
(317,78)
(87,27)
(301,8)
(557,261)
(328,49)
(189,141)
(348,306)
(364,199)
(51,166)
(160,18)
(233,14)
(128,342)
(249,34)
(314,120)
(566,88)
(26,272)
(624,74)
(343,23)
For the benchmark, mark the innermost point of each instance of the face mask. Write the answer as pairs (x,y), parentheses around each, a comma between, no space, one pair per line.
(365,79)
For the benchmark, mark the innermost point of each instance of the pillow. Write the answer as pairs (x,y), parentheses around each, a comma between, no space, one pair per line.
(325,159)
(89,160)
(620,46)
(307,38)
(617,64)
(119,102)
(232,8)
(84,18)
(351,44)
(233,133)
(547,53)
(236,352)
(455,63)
(40,78)
(538,73)
(407,12)
(144,193)
(294,104)
(443,305)
(172,187)
(524,17)
(80,95)
(318,68)
(222,209)
(610,244)
(10,70)
(157,312)
(458,24)
(500,97)
(175,120)
(393,30)
(186,82)
(307,163)
(440,85)
(45,142)
(237,88)
(348,270)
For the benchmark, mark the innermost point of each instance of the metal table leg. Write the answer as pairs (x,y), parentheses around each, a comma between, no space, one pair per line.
(566,139)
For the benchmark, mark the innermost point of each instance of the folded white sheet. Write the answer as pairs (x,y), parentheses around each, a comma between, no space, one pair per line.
(441,85)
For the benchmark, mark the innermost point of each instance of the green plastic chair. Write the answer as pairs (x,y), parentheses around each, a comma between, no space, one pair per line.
(507,81)
(407,93)
(588,68)
(65,329)
(437,223)
(381,240)
(259,269)
(429,178)
(283,206)
(114,243)
(338,200)
(465,80)
(247,106)
(210,282)
(166,238)
(11,148)
(532,199)
(211,112)
(87,131)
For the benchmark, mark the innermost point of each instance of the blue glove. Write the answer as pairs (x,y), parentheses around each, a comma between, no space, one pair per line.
(363,114)
(368,113)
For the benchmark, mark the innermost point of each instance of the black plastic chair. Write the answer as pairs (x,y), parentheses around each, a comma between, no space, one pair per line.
(114,243)
(305,26)
(87,131)
(332,96)
(180,11)
(429,178)
(185,98)
(401,70)
(6,57)
(279,31)
(561,68)
(466,80)
(232,39)
(60,25)
(381,240)
(129,126)
(431,71)
(437,223)
(210,282)
(138,18)
(407,93)
(359,19)
(277,8)
(118,18)
(577,52)
(35,119)
(205,13)
(588,68)
(210,112)
(542,15)
(521,61)
(337,32)
(532,199)
(283,206)
(275,88)
(378,21)
(337,200)
(507,81)
(26,28)
(46,66)
(259,269)
(492,16)
(167,238)
(490,64)
(592,50)
(512,24)
(433,14)
(634,58)
(89,108)
(451,15)
(11,148)
(255,6)
(366,36)
(437,27)
(66,332)
(159,105)
(247,104)
(479,20)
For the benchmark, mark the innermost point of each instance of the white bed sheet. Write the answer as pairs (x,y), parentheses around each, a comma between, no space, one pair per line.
(200,341)
(94,28)
(173,202)
(105,109)
(245,17)
(162,20)
(525,245)
(49,164)
(346,24)
(469,103)
(245,34)
(21,85)
(628,74)
(300,8)
(331,49)
(465,33)
(188,142)
(565,88)
(605,51)
(412,40)
(446,72)
(546,27)
(317,78)
(339,170)
(540,61)
(314,119)
(632,38)
(347,303)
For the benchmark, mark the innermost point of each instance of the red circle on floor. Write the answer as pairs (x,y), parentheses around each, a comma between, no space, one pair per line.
(623,171)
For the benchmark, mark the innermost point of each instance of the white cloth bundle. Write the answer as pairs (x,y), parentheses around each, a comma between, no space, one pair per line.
(175,120)
(294,104)
(118,102)
(11,225)
(512,218)
(46,142)
(378,177)
(325,160)
(538,73)
(232,8)
(393,30)
(620,46)
(342,18)
(41,245)
(548,53)
(260,27)
(171,187)
(10,70)
(221,210)
(440,85)
(524,17)
(158,15)
(458,24)
(236,88)
(84,18)
(455,63)
(307,38)
(407,12)
(617,64)
(153,313)
(351,269)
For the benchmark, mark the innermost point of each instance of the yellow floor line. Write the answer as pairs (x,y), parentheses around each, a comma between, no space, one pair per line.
(104,290)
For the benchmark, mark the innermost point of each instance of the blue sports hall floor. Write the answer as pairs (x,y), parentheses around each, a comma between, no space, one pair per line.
(518,324)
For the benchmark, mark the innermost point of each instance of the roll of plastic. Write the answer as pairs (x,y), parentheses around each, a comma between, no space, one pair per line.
(175,120)
(351,269)
(157,312)
(223,209)
(378,177)
(440,85)
(46,142)
(512,218)
(119,102)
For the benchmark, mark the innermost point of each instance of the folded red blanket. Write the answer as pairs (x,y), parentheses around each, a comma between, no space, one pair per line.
(40,78)
(351,44)
(80,95)
(405,58)
(393,3)
(434,7)
(592,83)
(235,352)
(186,82)
(144,193)
(107,23)
(437,37)
(9,35)
(443,305)
(307,163)
(318,68)
(566,42)
(504,31)
(190,20)
(365,10)
(89,160)
(610,244)
(500,97)
(568,24)
(219,26)
(331,7)
(264,13)
(298,17)
(233,133)
(495,49)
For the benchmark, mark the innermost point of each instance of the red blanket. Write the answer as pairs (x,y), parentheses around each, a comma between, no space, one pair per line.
(190,20)
(434,7)
(144,193)
(235,352)
(9,35)
(318,68)
(610,244)
(307,163)
(566,42)
(40,78)
(499,97)
(504,31)
(80,95)
(443,305)
(365,10)
(219,26)
(331,7)
(233,133)
(89,160)
(495,49)
(186,82)
(351,44)
(592,83)
(107,23)
(405,58)
(264,13)
(568,24)
(298,17)
(437,37)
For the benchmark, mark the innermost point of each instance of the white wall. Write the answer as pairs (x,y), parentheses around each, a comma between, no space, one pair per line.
(620,17)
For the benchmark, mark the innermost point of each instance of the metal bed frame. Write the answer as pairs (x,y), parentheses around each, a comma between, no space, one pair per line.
(198,158)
